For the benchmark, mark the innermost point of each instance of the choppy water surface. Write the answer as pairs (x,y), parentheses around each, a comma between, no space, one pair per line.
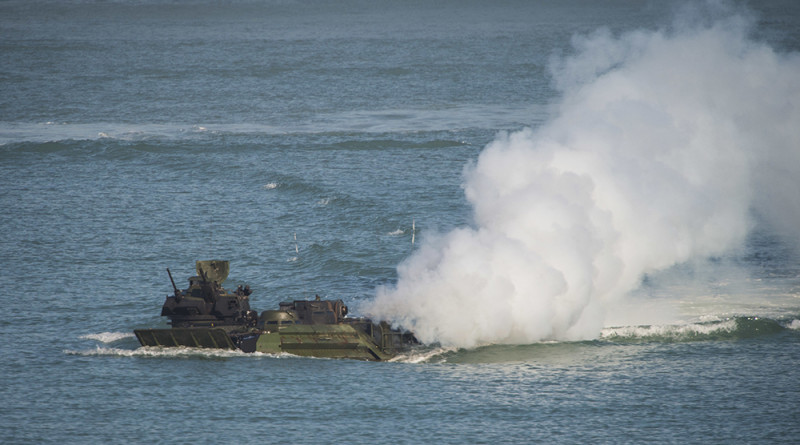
(143,135)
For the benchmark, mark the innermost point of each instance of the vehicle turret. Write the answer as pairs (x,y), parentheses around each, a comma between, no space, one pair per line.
(206,303)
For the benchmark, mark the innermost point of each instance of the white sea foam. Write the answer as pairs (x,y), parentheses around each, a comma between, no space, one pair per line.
(271,186)
(794,325)
(173,352)
(421,356)
(107,337)
(397,232)
(669,331)
(662,146)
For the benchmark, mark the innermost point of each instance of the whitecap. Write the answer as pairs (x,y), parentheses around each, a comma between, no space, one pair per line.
(271,186)
(668,331)
(416,356)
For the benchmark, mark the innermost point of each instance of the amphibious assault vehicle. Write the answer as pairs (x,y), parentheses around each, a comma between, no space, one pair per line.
(206,315)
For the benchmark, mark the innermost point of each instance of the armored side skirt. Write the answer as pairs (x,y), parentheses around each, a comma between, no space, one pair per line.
(192,337)
(330,341)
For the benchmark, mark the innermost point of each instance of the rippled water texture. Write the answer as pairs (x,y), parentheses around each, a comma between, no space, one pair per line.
(309,142)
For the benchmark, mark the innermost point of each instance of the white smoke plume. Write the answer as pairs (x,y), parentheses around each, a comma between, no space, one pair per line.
(663,146)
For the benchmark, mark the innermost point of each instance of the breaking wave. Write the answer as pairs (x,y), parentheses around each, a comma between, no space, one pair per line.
(734,328)
(367,121)
(422,355)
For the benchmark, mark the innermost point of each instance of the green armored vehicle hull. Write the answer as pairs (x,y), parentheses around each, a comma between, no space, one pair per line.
(206,316)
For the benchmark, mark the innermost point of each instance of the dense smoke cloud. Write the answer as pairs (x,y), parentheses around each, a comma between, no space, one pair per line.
(663,147)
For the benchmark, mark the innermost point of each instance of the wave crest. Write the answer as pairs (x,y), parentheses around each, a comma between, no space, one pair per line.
(727,329)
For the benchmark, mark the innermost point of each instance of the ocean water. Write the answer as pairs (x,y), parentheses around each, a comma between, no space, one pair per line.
(320,145)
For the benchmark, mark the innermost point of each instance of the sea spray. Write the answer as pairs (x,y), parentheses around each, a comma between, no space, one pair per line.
(108,337)
(662,148)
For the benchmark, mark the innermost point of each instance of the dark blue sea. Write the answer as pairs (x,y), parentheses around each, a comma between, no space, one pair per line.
(587,211)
